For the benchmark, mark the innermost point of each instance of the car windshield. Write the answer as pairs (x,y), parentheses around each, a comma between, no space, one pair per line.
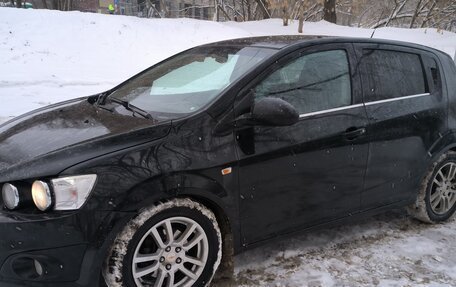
(189,81)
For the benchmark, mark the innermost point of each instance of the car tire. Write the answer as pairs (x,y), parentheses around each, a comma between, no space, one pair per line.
(144,255)
(436,201)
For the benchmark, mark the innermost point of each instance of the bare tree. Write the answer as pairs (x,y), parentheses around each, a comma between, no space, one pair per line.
(363,13)
(415,13)
(286,13)
(283,6)
(164,10)
(301,17)
(264,7)
(410,14)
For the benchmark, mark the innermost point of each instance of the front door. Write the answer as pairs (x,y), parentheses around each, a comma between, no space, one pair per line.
(311,172)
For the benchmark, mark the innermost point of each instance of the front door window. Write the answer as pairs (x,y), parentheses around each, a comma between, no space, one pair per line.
(313,82)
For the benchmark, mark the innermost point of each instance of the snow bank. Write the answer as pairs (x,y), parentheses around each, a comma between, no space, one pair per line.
(49,56)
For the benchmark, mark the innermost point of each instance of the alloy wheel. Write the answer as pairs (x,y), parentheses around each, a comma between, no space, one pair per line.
(173,253)
(443,190)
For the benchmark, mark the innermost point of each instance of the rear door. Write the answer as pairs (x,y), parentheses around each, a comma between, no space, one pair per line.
(407,115)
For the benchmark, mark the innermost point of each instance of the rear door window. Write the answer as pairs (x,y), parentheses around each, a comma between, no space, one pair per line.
(391,74)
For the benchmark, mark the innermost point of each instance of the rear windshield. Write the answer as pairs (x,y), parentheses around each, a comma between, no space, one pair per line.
(189,81)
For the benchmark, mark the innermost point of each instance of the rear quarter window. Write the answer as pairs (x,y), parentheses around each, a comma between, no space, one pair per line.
(391,74)
(435,81)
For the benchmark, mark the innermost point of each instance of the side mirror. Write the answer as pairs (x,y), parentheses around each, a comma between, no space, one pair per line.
(274,112)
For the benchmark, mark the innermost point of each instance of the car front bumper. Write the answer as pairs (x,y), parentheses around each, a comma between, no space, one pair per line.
(64,250)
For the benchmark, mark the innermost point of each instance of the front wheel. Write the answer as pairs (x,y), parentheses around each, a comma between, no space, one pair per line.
(436,201)
(176,243)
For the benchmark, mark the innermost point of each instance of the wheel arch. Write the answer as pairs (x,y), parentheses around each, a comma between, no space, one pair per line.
(445,143)
(226,268)
(222,218)
(199,188)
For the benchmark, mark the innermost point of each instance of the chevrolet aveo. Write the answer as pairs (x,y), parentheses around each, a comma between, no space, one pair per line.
(159,181)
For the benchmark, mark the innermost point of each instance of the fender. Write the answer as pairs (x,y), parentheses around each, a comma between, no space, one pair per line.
(195,186)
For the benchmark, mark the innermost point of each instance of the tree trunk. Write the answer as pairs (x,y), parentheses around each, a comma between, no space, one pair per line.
(330,11)
(301,17)
(415,13)
(216,15)
(243,11)
(227,16)
(285,10)
(164,9)
(45,5)
(301,23)
(19,3)
(426,18)
(154,10)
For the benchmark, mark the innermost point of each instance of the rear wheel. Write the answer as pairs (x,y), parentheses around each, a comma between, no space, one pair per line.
(177,243)
(436,201)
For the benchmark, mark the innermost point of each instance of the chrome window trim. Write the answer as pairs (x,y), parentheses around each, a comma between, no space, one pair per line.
(360,105)
(396,99)
(330,110)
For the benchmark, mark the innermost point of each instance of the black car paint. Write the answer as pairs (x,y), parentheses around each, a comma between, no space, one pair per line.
(395,176)
(140,162)
(314,157)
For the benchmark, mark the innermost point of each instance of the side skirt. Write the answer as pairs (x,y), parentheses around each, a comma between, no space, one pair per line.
(350,219)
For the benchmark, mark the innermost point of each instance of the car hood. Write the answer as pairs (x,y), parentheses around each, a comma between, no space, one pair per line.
(47,141)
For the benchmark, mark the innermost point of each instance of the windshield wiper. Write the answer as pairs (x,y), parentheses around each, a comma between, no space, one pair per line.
(132,108)
(102,98)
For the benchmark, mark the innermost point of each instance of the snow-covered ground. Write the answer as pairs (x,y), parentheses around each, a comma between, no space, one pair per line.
(50,56)
(387,250)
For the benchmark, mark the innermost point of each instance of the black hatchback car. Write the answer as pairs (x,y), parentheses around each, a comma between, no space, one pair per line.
(219,148)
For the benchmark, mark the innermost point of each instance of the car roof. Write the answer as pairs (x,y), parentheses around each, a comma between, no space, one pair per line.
(285,41)
(274,42)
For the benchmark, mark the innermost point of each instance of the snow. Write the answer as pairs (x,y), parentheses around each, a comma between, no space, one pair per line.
(387,250)
(50,56)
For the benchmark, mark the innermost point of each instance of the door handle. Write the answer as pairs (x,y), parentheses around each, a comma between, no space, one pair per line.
(354,132)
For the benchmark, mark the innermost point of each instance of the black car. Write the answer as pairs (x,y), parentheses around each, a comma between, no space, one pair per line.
(220,148)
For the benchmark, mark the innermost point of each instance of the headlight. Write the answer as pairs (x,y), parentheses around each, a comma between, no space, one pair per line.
(10,196)
(71,193)
(41,194)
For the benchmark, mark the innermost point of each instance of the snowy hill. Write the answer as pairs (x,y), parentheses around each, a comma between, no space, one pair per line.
(49,56)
